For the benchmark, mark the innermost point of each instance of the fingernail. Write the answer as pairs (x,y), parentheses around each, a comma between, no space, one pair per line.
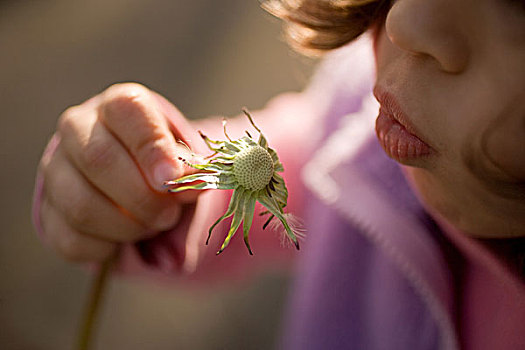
(164,172)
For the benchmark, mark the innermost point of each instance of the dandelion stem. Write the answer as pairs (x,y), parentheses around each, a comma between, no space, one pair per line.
(92,307)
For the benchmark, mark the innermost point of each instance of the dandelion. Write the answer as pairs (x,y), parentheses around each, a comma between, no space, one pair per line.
(250,169)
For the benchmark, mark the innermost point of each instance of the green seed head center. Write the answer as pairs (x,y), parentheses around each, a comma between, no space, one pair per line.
(253,168)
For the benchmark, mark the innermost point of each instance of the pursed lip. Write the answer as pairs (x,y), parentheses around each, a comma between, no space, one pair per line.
(397,135)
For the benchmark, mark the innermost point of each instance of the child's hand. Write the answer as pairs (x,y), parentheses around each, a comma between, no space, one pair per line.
(104,182)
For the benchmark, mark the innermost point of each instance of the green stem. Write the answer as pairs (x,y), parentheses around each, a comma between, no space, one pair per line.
(92,307)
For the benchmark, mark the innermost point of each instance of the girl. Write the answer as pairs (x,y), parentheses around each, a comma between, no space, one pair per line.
(416,233)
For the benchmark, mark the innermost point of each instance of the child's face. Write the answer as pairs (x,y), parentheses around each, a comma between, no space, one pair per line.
(456,70)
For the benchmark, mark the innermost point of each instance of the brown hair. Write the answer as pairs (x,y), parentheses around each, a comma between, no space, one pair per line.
(316,26)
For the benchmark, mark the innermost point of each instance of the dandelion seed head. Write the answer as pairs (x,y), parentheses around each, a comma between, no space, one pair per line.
(250,168)
(253,168)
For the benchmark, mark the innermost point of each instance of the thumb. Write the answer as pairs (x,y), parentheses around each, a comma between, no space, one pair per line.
(132,113)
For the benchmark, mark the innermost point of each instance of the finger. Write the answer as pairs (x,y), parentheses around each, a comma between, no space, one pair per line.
(84,207)
(132,113)
(71,244)
(100,157)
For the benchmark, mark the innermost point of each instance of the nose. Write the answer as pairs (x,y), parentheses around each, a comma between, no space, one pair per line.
(432,28)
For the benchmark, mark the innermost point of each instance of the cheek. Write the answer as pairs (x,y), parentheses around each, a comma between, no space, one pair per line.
(493,121)
(504,146)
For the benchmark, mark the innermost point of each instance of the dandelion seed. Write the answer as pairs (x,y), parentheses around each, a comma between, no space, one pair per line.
(295,224)
(250,169)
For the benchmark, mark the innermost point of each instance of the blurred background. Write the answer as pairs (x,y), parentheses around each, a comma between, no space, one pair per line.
(208,57)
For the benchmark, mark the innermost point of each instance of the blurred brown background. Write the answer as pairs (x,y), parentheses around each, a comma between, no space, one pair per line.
(208,57)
